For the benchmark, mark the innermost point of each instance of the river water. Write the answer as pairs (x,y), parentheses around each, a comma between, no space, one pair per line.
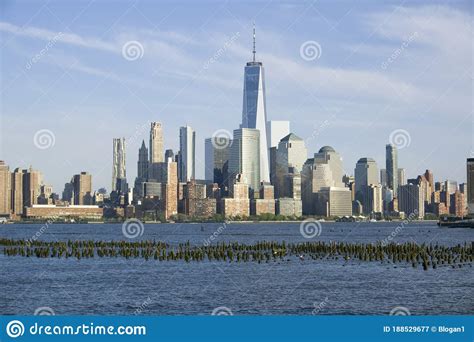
(119,286)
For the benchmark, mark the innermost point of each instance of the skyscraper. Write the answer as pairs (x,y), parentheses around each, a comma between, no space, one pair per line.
(391,163)
(410,200)
(142,164)
(367,189)
(118,166)
(82,184)
(470,184)
(17,192)
(245,157)
(402,177)
(291,153)
(187,155)
(5,189)
(254,113)
(216,155)
(32,181)
(156,143)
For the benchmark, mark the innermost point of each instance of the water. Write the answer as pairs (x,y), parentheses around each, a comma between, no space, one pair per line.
(116,286)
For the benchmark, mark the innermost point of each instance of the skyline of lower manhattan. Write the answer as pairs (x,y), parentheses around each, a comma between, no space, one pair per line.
(353,94)
(304,168)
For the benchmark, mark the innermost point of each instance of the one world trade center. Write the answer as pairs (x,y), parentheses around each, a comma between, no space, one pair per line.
(254,113)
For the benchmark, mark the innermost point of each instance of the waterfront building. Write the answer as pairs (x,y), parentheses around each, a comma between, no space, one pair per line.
(291,153)
(391,167)
(239,203)
(365,175)
(245,158)
(458,204)
(45,211)
(169,188)
(32,181)
(118,165)
(82,185)
(254,114)
(187,154)
(5,189)
(265,204)
(383,177)
(410,200)
(216,157)
(195,202)
(322,189)
(17,192)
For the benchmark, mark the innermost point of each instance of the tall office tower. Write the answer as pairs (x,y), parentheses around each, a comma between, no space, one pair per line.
(68,192)
(451,186)
(82,185)
(216,157)
(5,189)
(119,170)
(470,184)
(142,164)
(276,130)
(156,143)
(383,177)
(291,153)
(322,189)
(366,175)
(245,158)
(254,112)
(169,154)
(32,182)
(187,154)
(402,176)
(391,163)
(373,199)
(17,192)
(169,188)
(410,200)
(430,178)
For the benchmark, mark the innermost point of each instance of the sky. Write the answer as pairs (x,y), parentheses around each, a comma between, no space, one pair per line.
(355,75)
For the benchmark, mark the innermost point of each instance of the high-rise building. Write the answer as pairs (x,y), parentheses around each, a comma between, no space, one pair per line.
(470,184)
(277,130)
(383,177)
(451,186)
(322,190)
(391,166)
(142,164)
(366,177)
(254,113)
(187,154)
(17,192)
(5,189)
(410,200)
(32,181)
(245,158)
(291,153)
(216,156)
(169,188)
(402,176)
(156,143)
(118,164)
(169,154)
(82,184)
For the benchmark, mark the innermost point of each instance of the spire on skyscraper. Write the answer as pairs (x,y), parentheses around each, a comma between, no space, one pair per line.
(254,51)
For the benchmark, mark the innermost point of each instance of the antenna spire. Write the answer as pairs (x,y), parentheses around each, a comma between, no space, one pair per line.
(254,52)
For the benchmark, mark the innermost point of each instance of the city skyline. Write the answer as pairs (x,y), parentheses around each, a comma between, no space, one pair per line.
(319,120)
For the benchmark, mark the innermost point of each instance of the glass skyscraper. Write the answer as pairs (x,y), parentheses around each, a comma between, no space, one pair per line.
(391,164)
(254,114)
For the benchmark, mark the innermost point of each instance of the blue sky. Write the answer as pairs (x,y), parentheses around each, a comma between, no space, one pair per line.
(381,69)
